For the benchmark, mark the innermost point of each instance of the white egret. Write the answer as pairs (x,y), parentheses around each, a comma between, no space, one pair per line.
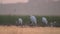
(33,20)
(44,20)
(19,21)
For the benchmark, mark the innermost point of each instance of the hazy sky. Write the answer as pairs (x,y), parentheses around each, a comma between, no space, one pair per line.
(21,1)
(13,1)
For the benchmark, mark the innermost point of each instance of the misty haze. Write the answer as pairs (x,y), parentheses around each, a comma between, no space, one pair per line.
(31,7)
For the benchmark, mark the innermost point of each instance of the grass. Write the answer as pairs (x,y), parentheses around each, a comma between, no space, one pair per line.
(9,19)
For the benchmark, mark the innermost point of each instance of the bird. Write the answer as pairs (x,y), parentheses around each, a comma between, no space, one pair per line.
(44,20)
(33,20)
(19,21)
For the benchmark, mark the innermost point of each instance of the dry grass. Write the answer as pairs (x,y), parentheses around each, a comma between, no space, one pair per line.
(28,30)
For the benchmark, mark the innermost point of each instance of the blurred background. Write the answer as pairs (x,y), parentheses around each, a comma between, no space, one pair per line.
(30,7)
(11,10)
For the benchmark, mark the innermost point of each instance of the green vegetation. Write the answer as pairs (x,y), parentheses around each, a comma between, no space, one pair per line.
(9,19)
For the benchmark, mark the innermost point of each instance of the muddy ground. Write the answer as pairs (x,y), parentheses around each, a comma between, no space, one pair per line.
(29,30)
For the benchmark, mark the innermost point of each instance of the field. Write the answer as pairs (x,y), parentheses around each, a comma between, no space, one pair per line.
(29,30)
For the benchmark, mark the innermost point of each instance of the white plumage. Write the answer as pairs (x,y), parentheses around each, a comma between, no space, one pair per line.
(20,21)
(33,19)
(44,20)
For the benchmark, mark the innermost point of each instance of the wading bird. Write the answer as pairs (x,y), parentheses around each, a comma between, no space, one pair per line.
(33,20)
(44,20)
(19,21)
